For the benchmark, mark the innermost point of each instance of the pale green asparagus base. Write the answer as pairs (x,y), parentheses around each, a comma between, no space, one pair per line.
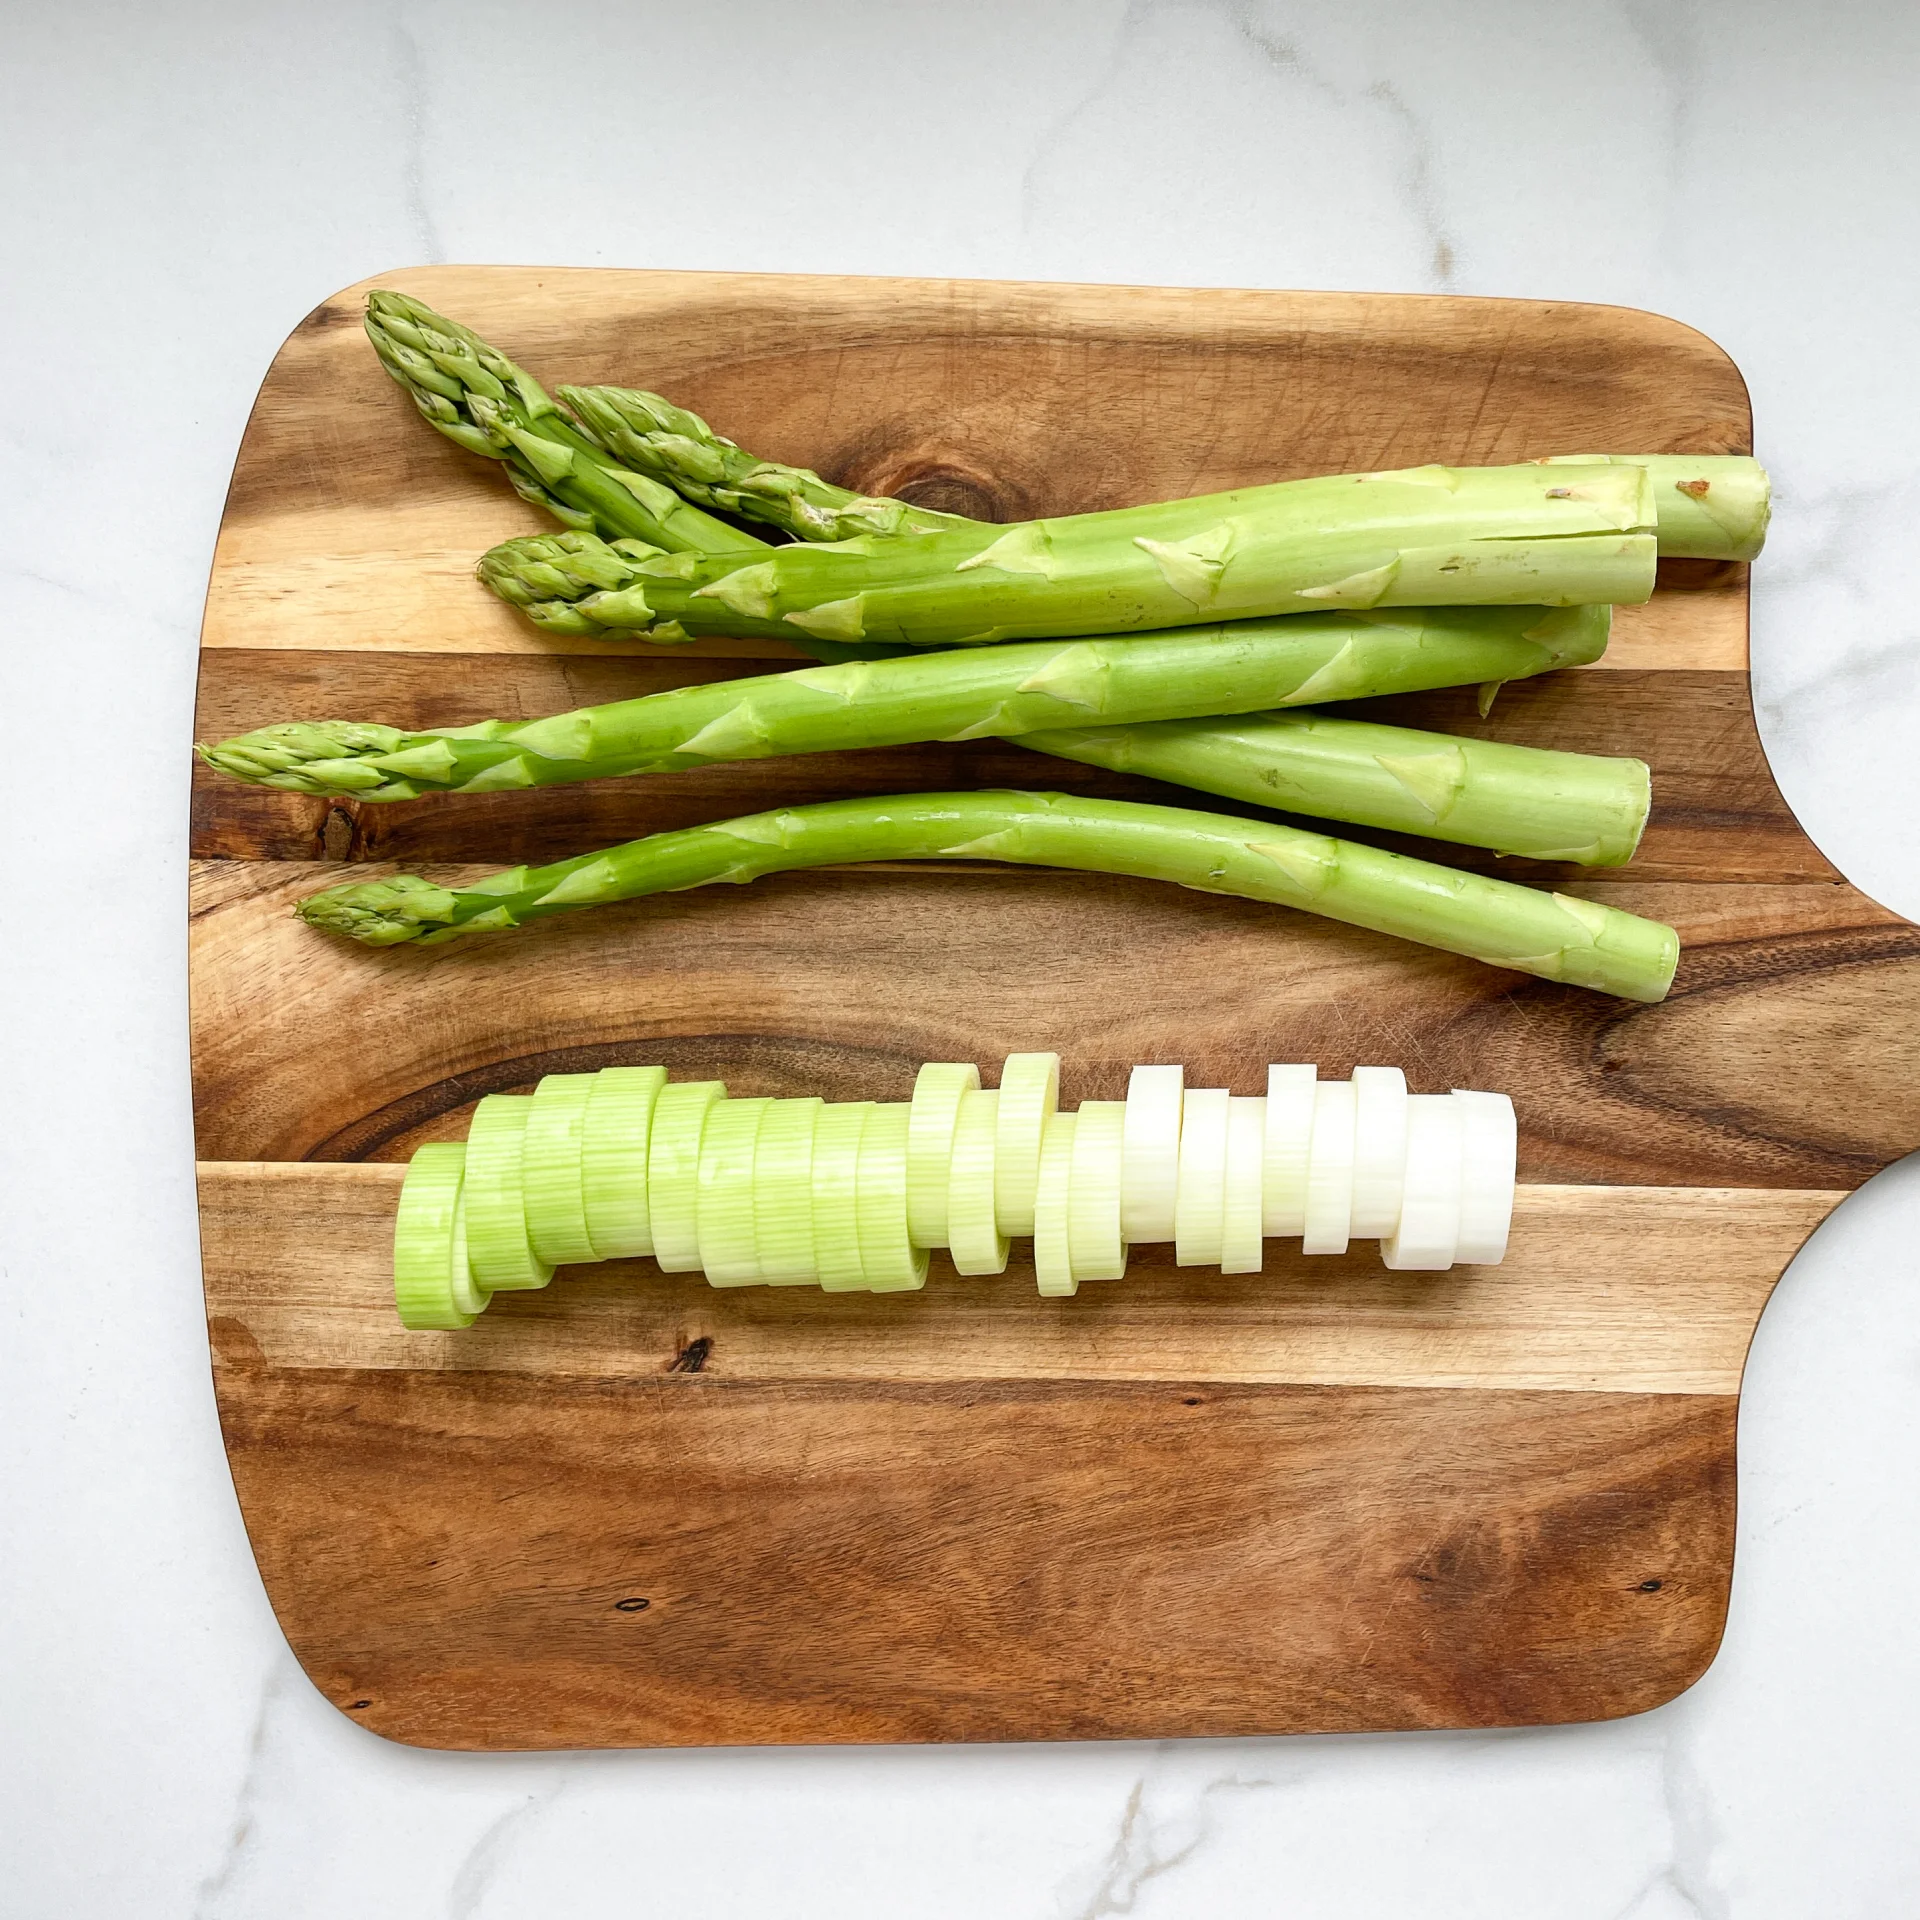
(1551,935)
(1587,808)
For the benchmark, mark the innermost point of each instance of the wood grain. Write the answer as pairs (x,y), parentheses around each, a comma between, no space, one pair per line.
(461,1558)
(1604,1290)
(632,1509)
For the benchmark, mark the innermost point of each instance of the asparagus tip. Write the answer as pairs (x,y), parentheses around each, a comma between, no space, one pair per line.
(379,913)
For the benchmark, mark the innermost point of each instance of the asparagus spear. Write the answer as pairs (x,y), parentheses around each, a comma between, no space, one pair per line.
(1487,536)
(1554,936)
(961,695)
(483,402)
(1707,506)
(1584,807)
(655,437)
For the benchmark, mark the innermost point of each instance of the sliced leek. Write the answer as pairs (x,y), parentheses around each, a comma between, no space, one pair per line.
(673,1171)
(1096,1242)
(1052,1215)
(613,1160)
(1029,1092)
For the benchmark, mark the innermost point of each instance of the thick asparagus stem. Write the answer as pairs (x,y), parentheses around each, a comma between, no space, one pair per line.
(1706,506)
(483,402)
(1584,807)
(655,437)
(1554,936)
(1489,536)
(1709,506)
(967,694)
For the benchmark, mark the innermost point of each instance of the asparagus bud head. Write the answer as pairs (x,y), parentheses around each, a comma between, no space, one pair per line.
(380,913)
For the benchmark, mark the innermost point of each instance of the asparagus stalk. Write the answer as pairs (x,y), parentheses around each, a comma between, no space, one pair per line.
(655,437)
(1555,936)
(483,402)
(1709,506)
(966,694)
(1584,807)
(1488,536)
(1706,506)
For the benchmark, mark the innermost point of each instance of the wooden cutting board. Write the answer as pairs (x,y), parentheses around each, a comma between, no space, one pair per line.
(632,1510)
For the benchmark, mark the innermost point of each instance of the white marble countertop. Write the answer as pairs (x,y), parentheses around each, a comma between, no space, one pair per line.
(183,182)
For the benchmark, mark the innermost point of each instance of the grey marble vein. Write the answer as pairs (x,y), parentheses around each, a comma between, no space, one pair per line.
(411,72)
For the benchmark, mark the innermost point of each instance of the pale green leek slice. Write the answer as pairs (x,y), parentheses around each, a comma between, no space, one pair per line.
(891,1261)
(555,1194)
(424,1239)
(783,1192)
(469,1297)
(673,1171)
(1096,1249)
(723,1211)
(936,1110)
(1200,1204)
(613,1160)
(974,1239)
(1052,1211)
(1029,1092)
(502,1257)
(1283,1178)
(836,1191)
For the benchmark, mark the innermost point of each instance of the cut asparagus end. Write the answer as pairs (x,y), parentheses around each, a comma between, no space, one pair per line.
(1707,506)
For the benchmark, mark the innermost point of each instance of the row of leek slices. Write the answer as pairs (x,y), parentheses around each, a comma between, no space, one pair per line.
(852,1197)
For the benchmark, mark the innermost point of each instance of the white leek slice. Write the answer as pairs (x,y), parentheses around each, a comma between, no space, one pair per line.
(1200,1201)
(1283,1178)
(888,1257)
(723,1204)
(974,1238)
(1052,1245)
(1150,1168)
(1429,1229)
(1379,1149)
(936,1108)
(1029,1093)
(1489,1144)
(613,1160)
(1241,1245)
(783,1192)
(498,1250)
(552,1182)
(424,1239)
(836,1193)
(1096,1249)
(673,1171)
(1329,1222)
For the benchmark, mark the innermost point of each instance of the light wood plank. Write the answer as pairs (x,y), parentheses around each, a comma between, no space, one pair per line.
(1604,1290)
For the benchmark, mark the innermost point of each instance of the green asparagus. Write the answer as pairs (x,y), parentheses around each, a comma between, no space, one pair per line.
(1488,536)
(1706,506)
(655,437)
(1584,807)
(1555,936)
(967,694)
(1709,506)
(483,402)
